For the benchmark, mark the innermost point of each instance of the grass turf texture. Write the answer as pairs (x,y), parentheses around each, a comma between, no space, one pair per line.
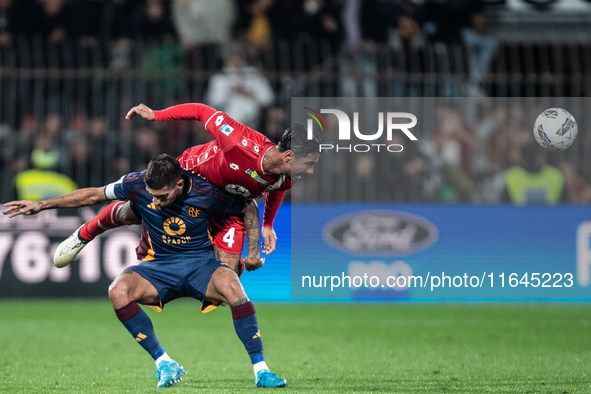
(80,346)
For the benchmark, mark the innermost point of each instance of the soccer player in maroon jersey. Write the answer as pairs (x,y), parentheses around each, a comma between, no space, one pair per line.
(239,160)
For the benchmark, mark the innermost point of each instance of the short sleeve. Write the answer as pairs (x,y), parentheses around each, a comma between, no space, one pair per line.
(113,191)
(127,187)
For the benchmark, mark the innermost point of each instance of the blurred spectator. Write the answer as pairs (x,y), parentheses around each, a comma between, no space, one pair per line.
(84,21)
(306,32)
(455,140)
(304,21)
(119,17)
(41,182)
(80,160)
(118,28)
(479,41)
(154,24)
(274,123)
(54,22)
(577,188)
(367,25)
(408,25)
(252,25)
(163,54)
(463,21)
(534,181)
(147,146)
(487,163)
(240,90)
(53,126)
(18,17)
(517,133)
(321,22)
(23,144)
(417,179)
(6,22)
(203,27)
(377,18)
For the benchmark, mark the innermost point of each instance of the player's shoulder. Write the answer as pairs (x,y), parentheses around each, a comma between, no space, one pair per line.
(131,184)
(258,137)
(201,187)
(227,125)
(134,177)
(130,179)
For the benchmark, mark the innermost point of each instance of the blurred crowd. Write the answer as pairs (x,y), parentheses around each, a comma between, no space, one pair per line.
(244,57)
(298,35)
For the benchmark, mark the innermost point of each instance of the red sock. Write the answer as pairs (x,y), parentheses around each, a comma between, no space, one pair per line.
(102,222)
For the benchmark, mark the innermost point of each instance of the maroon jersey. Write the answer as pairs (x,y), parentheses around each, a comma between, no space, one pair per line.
(234,159)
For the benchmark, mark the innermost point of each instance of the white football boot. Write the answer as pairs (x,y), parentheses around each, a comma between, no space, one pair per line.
(67,251)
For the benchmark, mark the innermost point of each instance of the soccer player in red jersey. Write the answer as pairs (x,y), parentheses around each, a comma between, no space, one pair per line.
(239,160)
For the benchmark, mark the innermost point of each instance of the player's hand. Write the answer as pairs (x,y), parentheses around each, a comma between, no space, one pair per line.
(270,240)
(15,208)
(253,263)
(142,110)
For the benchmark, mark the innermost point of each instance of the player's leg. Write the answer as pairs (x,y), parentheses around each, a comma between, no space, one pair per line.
(228,234)
(116,214)
(126,291)
(233,261)
(224,286)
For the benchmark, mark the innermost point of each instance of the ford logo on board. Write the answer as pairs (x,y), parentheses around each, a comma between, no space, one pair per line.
(380,232)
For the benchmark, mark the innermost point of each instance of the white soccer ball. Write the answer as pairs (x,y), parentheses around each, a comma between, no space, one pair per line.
(555,129)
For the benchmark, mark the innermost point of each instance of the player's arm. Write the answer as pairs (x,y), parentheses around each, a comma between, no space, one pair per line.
(189,111)
(252,225)
(75,199)
(226,131)
(272,204)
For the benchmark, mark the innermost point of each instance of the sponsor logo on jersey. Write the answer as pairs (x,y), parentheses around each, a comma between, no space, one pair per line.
(254,175)
(234,166)
(193,212)
(237,189)
(380,232)
(153,206)
(276,185)
(227,130)
(174,226)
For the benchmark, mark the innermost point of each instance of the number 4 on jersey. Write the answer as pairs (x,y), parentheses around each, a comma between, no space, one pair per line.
(229,237)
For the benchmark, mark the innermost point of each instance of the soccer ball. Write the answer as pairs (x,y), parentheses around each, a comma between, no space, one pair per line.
(555,129)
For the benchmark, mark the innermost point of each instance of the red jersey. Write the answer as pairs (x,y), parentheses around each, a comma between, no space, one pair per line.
(234,159)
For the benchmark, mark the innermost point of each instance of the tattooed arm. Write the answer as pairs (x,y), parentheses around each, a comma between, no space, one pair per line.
(75,199)
(253,229)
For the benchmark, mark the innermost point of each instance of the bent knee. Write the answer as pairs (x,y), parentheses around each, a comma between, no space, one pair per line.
(229,286)
(125,215)
(118,291)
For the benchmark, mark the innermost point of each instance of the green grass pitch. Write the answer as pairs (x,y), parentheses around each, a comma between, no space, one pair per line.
(71,346)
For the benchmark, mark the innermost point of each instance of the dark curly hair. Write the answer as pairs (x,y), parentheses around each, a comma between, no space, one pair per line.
(162,171)
(295,138)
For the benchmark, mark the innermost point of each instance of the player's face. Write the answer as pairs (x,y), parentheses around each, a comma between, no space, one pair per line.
(166,196)
(303,165)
